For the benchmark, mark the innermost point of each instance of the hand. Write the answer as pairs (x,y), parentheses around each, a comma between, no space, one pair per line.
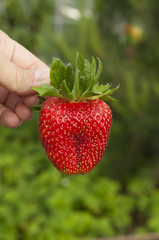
(19,71)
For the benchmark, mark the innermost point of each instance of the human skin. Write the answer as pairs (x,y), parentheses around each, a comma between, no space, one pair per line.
(19,71)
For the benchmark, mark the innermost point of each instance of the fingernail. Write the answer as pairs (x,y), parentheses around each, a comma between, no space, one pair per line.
(41,76)
(20,124)
(37,102)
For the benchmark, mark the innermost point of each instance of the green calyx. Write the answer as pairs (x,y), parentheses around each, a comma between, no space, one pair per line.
(79,85)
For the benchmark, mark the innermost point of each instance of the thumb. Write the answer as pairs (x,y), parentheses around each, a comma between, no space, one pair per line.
(19,80)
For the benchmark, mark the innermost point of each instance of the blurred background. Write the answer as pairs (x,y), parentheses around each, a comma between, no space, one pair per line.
(121,195)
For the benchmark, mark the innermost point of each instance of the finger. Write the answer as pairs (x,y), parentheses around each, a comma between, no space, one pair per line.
(16,104)
(19,81)
(8,118)
(12,101)
(30,100)
(3,94)
(19,55)
(23,112)
(15,79)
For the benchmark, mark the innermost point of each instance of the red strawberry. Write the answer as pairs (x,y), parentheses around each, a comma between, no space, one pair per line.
(74,123)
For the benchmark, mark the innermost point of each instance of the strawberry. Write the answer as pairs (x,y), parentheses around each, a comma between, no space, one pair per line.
(74,123)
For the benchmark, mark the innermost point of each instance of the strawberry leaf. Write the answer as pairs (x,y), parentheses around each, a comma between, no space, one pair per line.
(85,76)
(76,90)
(110,91)
(79,64)
(109,99)
(44,85)
(82,74)
(35,107)
(57,73)
(100,88)
(69,76)
(93,72)
(44,91)
(66,90)
(99,71)
(93,67)
(101,92)
(81,84)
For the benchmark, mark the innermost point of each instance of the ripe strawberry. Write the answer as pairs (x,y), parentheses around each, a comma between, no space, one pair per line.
(74,123)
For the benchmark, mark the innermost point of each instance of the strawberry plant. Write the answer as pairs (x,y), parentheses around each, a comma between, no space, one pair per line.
(74,123)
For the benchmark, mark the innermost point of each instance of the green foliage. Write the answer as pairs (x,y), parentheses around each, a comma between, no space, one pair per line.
(37,201)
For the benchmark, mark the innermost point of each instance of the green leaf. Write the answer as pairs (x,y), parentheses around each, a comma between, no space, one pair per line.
(69,76)
(76,91)
(82,75)
(109,98)
(66,90)
(93,67)
(44,92)
(85,76)
(97,90)
(93,72)
(101,92)
(36,107)
(89,95)
(57,73)
(99,71)
(47,86)
(81,84)
(110,91)
(101,88)
(79,64)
